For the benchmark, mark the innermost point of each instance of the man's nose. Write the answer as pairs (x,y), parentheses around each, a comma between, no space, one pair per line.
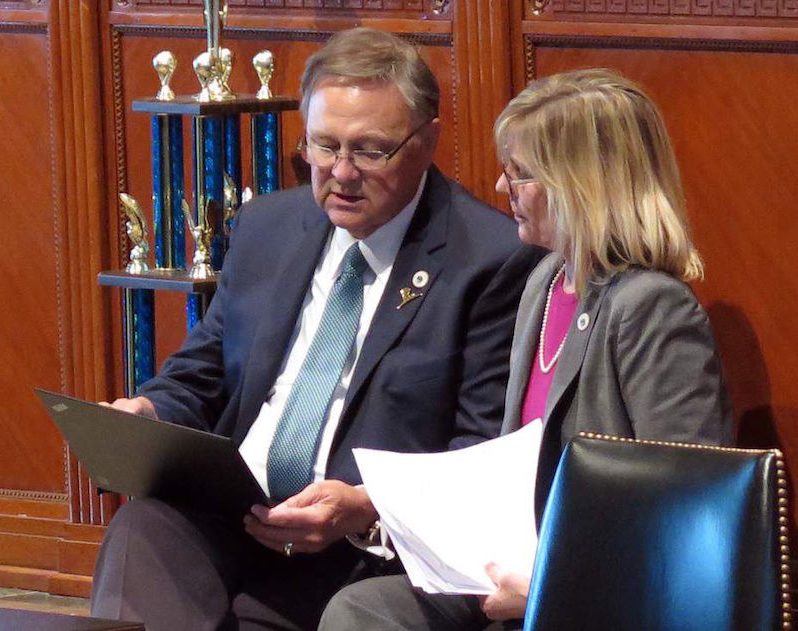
(344,170)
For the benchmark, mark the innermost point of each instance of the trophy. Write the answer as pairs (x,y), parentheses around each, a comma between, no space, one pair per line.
(137,231)
(225,70)
(264,66)
(215,118)
(165,63)
(214,66)
(202,232)
(231,205)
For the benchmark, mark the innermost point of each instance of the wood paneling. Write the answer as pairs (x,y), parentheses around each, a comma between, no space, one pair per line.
(32,451)
(723,71)
(54,329)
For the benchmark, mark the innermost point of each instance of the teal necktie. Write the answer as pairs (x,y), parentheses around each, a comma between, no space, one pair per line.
(293,451)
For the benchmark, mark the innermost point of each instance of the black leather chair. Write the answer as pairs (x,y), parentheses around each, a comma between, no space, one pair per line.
(646,536)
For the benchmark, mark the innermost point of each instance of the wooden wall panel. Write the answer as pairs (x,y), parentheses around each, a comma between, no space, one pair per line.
(31,451)
(49,326)
(723,71)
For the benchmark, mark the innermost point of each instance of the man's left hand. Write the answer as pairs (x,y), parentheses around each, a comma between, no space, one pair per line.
(312,519)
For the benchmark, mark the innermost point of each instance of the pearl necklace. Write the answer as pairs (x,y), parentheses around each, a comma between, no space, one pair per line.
(545,368)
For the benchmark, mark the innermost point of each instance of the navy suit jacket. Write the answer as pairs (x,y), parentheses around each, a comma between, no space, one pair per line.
(431,375)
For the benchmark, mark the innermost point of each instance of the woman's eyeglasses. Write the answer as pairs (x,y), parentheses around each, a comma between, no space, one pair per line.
(514,183)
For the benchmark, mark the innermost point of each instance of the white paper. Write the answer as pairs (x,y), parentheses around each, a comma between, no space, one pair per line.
(449,514)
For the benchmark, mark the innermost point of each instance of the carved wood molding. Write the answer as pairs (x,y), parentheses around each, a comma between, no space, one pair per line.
(26,28)
(406,8)
(529,58)
(38,496)
(765,9)
(266,34)
(532,41)
(375,5)
(23,5)
(120,147)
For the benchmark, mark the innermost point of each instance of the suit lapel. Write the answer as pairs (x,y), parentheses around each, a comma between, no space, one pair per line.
(421,250)
(573,354)
(279,312)
(566,371)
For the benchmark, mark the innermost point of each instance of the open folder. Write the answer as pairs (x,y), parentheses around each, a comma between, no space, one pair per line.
(449,514)
(138,456)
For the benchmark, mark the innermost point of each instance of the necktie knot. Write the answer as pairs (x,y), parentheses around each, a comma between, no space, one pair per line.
(354,263)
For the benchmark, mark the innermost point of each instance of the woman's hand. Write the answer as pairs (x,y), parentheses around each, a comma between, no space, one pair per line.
(509,599)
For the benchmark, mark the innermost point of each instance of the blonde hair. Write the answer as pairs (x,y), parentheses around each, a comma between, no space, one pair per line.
(363,55)
(599,146)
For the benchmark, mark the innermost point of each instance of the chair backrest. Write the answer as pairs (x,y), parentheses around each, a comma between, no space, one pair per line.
(647,536)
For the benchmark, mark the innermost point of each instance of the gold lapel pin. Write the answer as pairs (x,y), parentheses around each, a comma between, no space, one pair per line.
(407,295)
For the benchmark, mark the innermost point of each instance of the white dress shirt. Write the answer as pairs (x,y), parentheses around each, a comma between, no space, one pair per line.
(379,249)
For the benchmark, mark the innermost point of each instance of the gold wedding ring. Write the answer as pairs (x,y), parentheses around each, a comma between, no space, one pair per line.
(287,549)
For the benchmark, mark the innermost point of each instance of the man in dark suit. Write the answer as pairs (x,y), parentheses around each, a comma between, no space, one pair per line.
(298,367)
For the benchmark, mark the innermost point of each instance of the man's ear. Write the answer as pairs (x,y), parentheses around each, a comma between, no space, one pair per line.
(435,130)
(431,135)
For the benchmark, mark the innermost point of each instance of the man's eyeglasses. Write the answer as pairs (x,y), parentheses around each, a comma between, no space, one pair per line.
(362,159)
(514,183)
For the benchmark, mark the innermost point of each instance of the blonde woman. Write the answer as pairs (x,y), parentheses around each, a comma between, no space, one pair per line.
(609,337)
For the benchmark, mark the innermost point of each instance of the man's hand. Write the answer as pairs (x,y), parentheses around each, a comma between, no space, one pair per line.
(509,599)
(312,519)
(136,405)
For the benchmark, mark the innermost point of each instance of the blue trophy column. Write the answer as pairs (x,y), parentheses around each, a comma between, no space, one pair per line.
(265,152)
(168,191)
(218,182)
(210,161)
(139,337)
(138,305)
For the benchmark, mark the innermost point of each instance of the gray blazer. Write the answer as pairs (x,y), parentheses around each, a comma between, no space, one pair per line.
(644,366)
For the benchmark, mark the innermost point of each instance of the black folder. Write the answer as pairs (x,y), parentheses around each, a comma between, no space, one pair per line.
(138,456)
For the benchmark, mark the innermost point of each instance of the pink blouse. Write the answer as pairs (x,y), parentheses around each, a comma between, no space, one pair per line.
(561,311)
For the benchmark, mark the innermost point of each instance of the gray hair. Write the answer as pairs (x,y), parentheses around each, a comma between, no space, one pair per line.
(363,55)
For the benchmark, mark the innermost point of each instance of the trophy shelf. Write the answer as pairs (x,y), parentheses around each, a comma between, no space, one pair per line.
(159,279)
(241,104)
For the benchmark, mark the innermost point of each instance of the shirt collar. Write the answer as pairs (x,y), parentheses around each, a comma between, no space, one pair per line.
(381,246)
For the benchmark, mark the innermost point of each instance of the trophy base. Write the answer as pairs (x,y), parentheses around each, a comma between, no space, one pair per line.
(137,267)
(201,271)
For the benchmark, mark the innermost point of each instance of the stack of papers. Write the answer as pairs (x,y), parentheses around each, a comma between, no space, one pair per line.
(449,514)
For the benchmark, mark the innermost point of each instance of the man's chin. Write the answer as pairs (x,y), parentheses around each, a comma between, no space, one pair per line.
(347,218)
